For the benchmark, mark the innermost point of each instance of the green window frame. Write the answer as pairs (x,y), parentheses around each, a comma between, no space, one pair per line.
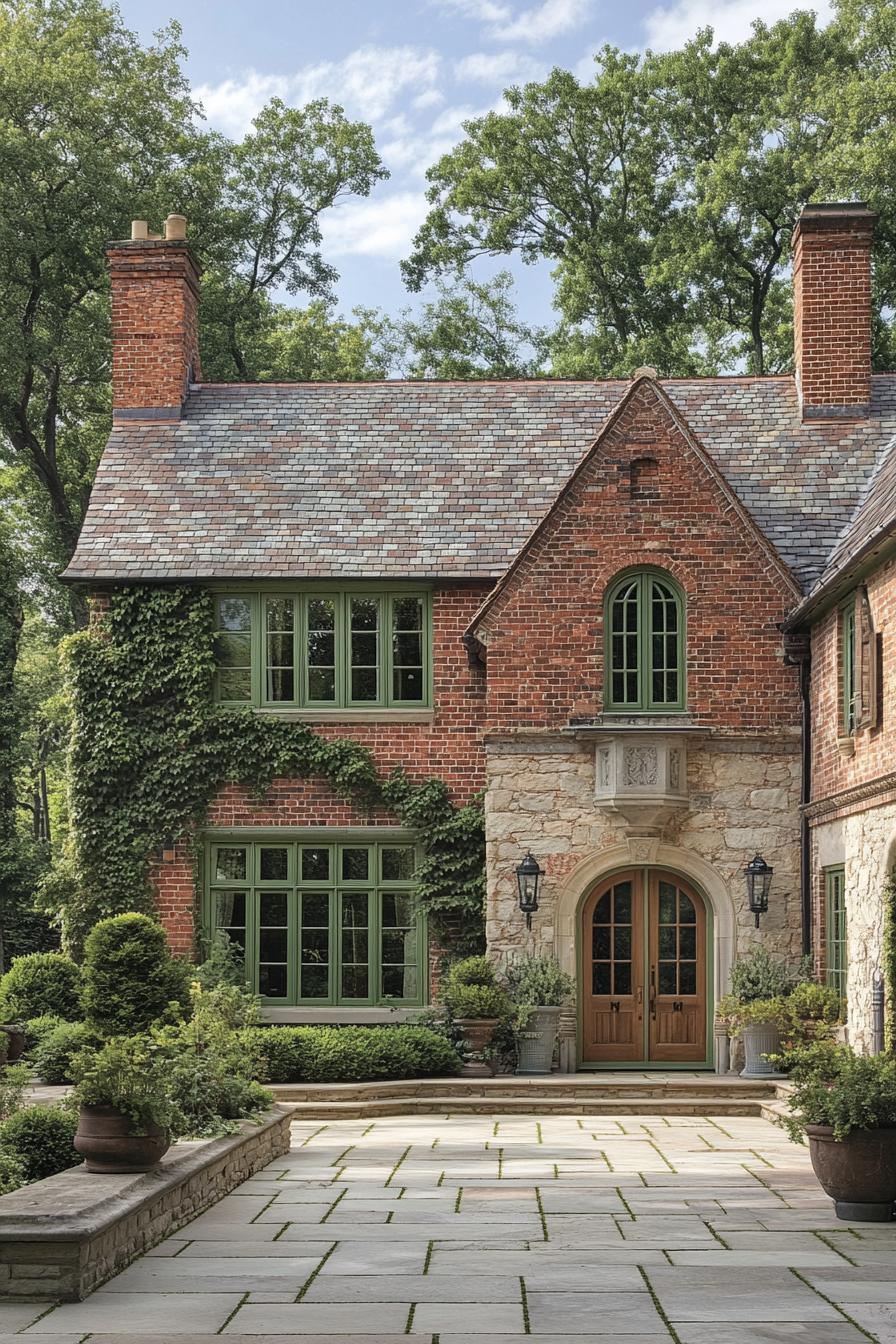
(322,920)
(324,648)
(848,665)
(836,964)
(644,650)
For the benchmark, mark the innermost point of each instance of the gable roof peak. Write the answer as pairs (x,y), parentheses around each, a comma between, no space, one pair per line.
(645,371)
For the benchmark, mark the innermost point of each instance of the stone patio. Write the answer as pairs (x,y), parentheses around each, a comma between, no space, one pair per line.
(440,1229)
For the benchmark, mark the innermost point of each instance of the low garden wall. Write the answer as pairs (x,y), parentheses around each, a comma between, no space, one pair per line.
(62,1237)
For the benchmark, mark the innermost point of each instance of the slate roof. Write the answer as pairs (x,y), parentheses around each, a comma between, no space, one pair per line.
(428,480)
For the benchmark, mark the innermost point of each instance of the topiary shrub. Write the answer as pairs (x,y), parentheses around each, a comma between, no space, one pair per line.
(131,978)
(471,989)
(42,1139)
(37,1029)
(349,1054)
(41,983)
(52,1059)
(471,971)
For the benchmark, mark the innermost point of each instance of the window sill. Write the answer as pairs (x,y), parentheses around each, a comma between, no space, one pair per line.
(846,746)
(350,715)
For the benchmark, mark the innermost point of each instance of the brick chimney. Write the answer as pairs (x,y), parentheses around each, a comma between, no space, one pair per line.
(832,310)
(155,306)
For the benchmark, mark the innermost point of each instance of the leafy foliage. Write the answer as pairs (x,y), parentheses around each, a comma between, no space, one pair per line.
(471,989)
(349,1054)
(131,980)
(12,1172)
(832,1085)
(888,959)
(40,983)
(759,975)
(150,750)
(41,1138)
(54,1056)
(131,1073)
(37,1029)
(539,982)
(13,1081)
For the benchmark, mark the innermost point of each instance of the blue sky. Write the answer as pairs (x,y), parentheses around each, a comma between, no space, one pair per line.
(415,70)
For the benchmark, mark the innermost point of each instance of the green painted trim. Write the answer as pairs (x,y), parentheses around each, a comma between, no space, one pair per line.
(301,592)
(645,703)
(836,970)
(645,1064)
(847,630)
(373,838)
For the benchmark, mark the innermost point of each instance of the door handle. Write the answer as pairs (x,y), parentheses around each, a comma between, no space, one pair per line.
(653,992)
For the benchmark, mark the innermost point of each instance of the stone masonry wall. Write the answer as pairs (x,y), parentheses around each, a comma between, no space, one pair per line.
(744,796)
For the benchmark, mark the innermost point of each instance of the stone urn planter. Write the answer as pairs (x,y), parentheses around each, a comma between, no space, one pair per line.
(106,1141)
(535,1042)
(478,1033)
(760,1040)
(15,1041)
(858,1172)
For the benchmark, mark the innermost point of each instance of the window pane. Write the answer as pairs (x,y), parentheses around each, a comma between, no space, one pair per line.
(315,865)
(686,912)
(398,911)
(314,941)
(321,683)
(687,942)
(400,982)
(230,865)
(668,978)
(272,981)
(667,941)
(234,613)
(355,865)
(407,648)
(230,909)
(622,903)
(233,650)
(315,982)
(281,684)
(280,650)
(622,978)
(354,982)
(600,941)
(272,906)
(622,942)
(600,977)
(602,910)
(274,866)
(280,613)
(364,648)
(688,977)
(394,945)
(397,863)
(235,685)
(667,903)
(320,654)
(365,613)
(272,945)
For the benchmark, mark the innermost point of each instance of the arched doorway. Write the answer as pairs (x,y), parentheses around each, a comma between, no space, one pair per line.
(645,989)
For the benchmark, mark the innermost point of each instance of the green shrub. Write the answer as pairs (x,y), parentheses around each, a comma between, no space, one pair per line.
(131,980)
(52,1059)
(37,1029)
(734,1014)
(12,1172)
(834,1086)
(483,1001)
(40,983)
(349,1054)
(42,1139)
(133,1074)
(758,975)
(13,1081)
(811,1002)
(471,971)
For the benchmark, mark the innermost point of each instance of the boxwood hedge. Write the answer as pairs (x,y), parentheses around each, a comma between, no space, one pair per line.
(350,1054)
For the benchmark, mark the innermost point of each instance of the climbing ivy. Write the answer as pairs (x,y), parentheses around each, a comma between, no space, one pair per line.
(889,963)
(150,750)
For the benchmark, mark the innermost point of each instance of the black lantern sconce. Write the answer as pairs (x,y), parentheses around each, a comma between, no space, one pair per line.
(759,879)
(528,876)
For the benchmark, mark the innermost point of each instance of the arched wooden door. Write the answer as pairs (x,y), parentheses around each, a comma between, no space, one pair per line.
(644,966)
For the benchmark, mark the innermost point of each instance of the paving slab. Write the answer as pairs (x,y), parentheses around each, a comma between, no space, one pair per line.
(139,1314)
(303,1318)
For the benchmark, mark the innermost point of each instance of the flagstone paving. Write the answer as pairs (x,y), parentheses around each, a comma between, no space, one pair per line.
(444,1229)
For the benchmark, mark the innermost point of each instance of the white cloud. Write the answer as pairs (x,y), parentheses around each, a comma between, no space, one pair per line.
(543,22)
(431,98)
(497,68)
(367,83)
(486,11)
(382,227)
(672,25)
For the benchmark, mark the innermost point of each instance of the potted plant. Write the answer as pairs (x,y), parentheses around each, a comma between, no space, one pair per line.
(478,1004)
(755,1011)
(538,989)
(127,1115)
(15,1040)
(846,1105)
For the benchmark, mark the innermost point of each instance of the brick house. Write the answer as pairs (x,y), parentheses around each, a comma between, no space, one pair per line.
(595,601)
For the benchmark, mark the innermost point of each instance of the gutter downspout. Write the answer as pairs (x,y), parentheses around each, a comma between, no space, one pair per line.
(797,653)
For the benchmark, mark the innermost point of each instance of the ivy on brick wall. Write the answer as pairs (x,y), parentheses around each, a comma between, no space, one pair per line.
(889,963)
(151,749)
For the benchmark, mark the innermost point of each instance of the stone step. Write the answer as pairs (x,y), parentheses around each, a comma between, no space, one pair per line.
(559,1089)
(362,1108)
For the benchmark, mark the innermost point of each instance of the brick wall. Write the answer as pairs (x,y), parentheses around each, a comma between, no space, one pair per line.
(545,631)
(449,748)
(832,309)
(155,302)
(874,750)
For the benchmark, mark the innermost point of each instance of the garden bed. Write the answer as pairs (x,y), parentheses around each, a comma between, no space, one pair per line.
(62,1237)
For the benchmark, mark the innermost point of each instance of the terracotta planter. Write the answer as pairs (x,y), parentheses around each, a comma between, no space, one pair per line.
(858,1172)
(477,1033)
(760,1039)
(535,1043)
(106,1142)
(15,1041)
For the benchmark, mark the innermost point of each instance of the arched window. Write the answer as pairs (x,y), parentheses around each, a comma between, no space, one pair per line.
(645,643)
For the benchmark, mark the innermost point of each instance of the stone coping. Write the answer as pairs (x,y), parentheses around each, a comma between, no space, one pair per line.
(63,1236)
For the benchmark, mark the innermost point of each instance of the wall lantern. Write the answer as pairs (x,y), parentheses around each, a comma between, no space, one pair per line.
(759,879)
(528,876)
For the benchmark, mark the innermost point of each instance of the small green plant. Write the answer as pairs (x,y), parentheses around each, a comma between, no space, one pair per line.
(812,1003)
(224,964)
(471,989)
(12,1172)
(40,983)
(41,1138)
(834,1086)
(759,975)
(131,980)
(537,982)
(736,1015)
(132,1074)
(53,1057)
(13,1081)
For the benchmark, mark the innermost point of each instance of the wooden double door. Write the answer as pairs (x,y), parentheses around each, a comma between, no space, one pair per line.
(644,968)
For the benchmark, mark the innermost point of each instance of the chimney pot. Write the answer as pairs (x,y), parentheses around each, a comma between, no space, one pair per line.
(139,230)
(176,228)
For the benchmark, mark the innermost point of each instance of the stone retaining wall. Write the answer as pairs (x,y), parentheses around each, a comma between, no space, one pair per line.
(62,1237)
